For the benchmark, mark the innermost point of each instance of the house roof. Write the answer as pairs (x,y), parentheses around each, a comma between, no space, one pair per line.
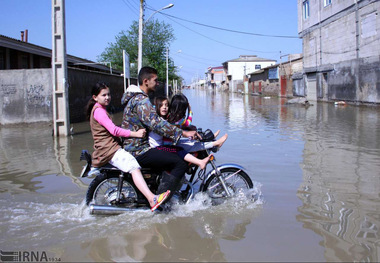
(249,58)
(218,67)
(27,47)
(256,72)
(275,66)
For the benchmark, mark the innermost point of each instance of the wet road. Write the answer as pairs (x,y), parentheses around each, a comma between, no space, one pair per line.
(317,169)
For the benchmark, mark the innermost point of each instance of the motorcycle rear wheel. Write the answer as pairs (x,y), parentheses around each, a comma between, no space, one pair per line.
(236,181)
(103,191)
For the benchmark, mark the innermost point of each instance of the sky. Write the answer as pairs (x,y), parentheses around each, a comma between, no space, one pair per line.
(207,32)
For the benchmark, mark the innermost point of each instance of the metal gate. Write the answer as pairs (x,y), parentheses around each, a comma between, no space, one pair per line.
(311,86)
(283,86)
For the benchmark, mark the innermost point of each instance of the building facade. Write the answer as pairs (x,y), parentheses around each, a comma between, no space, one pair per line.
(341,50)
(237,70)
(215,76)
(276,80)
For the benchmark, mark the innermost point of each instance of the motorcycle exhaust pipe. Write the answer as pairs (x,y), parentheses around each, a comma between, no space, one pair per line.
(112,210)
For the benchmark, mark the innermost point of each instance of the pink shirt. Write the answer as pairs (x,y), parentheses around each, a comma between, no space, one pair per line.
(100,115)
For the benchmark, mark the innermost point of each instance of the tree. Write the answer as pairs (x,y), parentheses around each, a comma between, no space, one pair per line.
(156,37)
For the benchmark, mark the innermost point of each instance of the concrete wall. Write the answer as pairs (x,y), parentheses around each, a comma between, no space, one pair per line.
(319,12)
(298,85)
(353,81)
(271,88)
(341,47)
(356,80)
(339,39)
(268,87)
(80,85)
(26,94)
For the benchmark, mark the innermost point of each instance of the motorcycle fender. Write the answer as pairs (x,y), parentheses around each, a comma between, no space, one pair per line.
(224,166)
(89,171)
(85,170)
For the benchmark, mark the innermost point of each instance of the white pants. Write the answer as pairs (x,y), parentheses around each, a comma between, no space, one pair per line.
(124,161)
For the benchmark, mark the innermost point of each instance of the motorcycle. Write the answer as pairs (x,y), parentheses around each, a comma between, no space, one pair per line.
(113,191)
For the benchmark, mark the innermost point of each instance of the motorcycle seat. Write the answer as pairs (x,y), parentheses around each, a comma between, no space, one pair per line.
(109,167)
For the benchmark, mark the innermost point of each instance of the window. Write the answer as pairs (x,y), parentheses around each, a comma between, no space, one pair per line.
(2,58)
(24,61)
(306,10)
(368,25)
(326,2)
(258,66)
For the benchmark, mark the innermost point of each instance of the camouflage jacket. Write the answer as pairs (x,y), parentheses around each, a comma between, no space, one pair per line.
(139,113)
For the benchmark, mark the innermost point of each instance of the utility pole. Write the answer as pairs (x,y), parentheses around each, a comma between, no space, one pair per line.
(167,72)
(139,52)
(141,29)
(59,70)
(126,70)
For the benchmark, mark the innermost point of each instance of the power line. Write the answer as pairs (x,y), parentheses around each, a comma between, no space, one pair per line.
(189,72)
(225,29)
(196,59)
(220,42)
(199,62)
(208,64)
(134,9)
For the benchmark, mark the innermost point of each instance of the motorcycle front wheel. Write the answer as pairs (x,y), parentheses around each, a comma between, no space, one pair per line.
(103,191)
(236,180)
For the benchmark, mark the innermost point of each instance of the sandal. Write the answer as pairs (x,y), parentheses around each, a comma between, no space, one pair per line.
(159,199)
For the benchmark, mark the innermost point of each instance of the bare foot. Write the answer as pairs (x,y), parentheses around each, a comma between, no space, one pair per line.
(218,143)
(216,133)
(203,162)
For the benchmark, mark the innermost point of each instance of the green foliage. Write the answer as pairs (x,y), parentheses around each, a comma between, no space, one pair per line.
(156,37)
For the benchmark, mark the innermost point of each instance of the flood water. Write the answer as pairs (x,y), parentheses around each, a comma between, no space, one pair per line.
(317,170)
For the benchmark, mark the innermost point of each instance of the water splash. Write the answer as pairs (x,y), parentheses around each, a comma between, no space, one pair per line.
(39,223)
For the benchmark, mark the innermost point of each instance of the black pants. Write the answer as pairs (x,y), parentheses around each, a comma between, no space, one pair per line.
(165,161)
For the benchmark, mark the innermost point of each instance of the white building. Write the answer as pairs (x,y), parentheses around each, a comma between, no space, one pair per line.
(215,76)
(238,69)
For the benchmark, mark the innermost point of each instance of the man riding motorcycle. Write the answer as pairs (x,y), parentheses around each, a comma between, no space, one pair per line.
(139,113)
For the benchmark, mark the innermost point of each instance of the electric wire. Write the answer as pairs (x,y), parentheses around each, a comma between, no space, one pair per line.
(134,9)
(172,18)
(225,29)
(194,57)
(208,64)
(189,59)
(220,42)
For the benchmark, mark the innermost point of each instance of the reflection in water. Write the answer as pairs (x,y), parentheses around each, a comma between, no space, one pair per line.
(191,238)
(318,167)
(340,190)
(31,159)
(24,159)
(160,243)
(340,166)
(62,149)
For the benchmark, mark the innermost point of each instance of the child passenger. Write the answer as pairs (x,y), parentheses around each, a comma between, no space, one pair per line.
(156,140)
(107,144)
(180,114)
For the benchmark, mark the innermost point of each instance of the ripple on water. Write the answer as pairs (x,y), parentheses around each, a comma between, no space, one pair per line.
(34,224)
